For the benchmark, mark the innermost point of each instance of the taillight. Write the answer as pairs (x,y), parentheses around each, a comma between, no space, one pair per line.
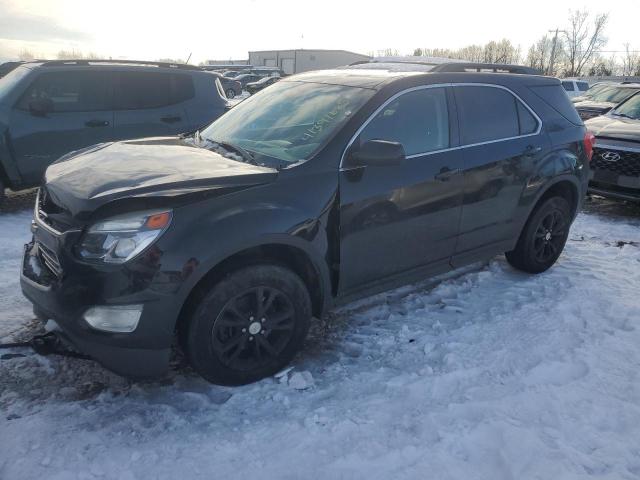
(589,143)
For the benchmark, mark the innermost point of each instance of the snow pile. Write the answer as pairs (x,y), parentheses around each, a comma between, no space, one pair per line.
(489,374)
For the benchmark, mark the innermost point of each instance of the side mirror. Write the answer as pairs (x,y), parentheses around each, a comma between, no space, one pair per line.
(378,153)
(40,106)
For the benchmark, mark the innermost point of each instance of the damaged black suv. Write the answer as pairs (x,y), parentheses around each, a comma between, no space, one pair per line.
(324,187)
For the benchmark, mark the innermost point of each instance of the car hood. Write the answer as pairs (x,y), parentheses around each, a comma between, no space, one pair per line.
(614,127)
(165,167)
(591,105)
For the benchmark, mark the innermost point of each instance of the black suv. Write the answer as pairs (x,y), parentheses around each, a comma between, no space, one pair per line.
(616,158)
(49,108)
(325,187)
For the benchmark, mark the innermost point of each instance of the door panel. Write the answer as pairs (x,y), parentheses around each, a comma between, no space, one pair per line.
(501,144)
(397,218)
(77,114)
(150,104)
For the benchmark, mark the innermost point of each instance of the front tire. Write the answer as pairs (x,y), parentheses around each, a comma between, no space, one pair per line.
(249,325)
(231,93)
(543,237)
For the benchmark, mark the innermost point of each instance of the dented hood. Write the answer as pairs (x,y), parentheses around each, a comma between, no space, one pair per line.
(85,180)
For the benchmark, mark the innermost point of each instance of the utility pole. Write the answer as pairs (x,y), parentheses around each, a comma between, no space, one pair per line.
(553,50)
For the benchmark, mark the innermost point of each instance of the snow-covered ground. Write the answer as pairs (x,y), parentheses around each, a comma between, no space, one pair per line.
(488,374)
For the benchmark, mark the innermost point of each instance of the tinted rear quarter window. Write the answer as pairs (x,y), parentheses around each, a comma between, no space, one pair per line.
(556,98)
(70,91)
(486,114)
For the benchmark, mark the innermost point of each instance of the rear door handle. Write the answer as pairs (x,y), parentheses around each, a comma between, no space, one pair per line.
(532,150)
(446,173)
(171,119)
(97,123)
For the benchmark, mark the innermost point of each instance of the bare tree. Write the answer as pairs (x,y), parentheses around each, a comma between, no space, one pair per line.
(539,55)
(26,55)
(581,41)
(630,62)
(74,54)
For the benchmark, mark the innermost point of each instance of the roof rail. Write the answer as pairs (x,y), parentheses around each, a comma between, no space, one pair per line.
(401,62)
(479,67)
(181,66)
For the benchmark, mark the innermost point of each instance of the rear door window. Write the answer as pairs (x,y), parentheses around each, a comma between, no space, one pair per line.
(142,90)
(70,91)
(486,114)
(419,120)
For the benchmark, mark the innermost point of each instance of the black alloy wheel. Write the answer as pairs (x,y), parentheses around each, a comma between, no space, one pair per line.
(543,236)
(248,325)
(254,327)
(549,236)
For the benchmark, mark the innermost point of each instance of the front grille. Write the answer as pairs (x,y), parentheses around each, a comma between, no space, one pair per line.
(618,161)
(50,260)
(50,213)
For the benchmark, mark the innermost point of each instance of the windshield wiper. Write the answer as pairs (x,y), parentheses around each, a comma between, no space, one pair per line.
(618,114)
(245,154)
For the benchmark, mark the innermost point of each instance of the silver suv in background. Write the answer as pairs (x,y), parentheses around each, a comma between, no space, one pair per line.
(49,108)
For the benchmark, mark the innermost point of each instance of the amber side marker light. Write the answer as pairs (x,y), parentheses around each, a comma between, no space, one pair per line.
(158,220)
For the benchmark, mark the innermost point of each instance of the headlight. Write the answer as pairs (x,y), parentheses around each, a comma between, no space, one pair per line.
(119,239)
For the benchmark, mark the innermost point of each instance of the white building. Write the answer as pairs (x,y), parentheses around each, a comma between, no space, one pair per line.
(296,61)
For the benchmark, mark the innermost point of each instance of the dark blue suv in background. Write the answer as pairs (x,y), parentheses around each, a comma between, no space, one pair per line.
(48,109)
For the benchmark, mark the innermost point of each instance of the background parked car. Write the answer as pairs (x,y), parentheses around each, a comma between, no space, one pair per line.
(593,90)
(574,88)
(605,100)
(7,67)
(50,108)
(246,78)
(254,87)
(231,86)
(615,168)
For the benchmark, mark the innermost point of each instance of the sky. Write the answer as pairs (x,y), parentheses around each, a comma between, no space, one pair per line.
(212,29)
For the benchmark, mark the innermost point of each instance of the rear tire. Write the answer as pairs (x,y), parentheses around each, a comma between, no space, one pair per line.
(543,237)
(249,325)
(231,93)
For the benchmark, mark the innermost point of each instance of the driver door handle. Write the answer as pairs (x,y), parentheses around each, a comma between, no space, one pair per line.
(446,173)
(97,123)
(171,119)
(532,150)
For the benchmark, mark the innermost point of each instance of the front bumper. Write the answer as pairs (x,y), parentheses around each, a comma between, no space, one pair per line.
(63,289)
(611,184)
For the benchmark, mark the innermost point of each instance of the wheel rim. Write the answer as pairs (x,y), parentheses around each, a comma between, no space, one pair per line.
(549,236)
(231,93)
(253,328)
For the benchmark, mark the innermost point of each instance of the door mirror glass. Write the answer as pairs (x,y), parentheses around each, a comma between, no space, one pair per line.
(41,106)
(378,153)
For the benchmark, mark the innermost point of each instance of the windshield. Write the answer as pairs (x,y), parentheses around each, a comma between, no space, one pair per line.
(12,79)
(630,108)
(288,121)
(596,89)
(614,94)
